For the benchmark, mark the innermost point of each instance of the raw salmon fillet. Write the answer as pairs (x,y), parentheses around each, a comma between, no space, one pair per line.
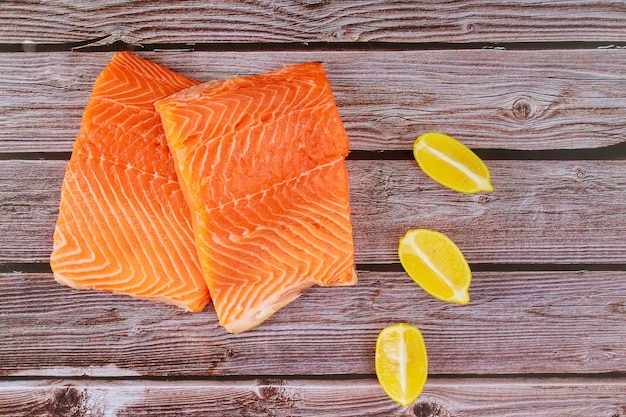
(261,163)
(124,225)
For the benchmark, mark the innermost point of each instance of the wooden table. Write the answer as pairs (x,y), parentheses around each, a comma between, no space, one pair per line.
(537,88)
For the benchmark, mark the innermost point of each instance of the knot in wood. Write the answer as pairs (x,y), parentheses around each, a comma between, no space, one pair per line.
(618,307)
(483,199)
(66,401)
(273,392)
(429,409)
(523,108)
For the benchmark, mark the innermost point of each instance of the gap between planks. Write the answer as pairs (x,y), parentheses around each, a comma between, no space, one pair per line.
(44,267)
(611,152)
(271,378)
(96,45)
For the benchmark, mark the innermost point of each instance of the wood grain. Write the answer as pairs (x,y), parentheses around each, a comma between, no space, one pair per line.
(443,397)
(311,21)
(540,212)
(532,322)
(395,74)
(529,100)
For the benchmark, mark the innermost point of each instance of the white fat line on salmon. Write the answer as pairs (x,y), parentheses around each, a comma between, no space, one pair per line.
(127,105)
(129,167)
(284,182)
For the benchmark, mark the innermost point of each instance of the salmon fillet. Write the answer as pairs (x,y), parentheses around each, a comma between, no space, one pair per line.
(124,225)
(261,161)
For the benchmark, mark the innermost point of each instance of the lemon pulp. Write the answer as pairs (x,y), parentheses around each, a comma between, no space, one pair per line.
(451,164)
(401,362)
(436,264)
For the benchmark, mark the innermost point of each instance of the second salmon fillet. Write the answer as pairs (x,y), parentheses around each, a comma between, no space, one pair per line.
(261,162)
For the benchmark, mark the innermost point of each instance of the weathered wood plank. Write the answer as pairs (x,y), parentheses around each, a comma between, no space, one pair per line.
(441,397)
(312,21)
(487,98)
(532,322)
(540,212)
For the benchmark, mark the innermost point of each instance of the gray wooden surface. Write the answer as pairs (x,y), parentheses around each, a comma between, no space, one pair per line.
(538,88)
(284,21)
(443,397)
(524,100)
(546,212)
(516,323)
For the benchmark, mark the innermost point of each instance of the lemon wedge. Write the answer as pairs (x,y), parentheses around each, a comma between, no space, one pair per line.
(401,362)
(451,164)
(436,264)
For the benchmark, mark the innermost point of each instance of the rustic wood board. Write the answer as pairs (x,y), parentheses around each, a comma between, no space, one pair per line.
(444,397)
(521,100)
(553,212)
(533,322)
(537,88)
(361,21)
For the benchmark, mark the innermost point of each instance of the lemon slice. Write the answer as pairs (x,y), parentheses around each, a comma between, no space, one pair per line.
(401,362)
(451,164)
(436,264)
